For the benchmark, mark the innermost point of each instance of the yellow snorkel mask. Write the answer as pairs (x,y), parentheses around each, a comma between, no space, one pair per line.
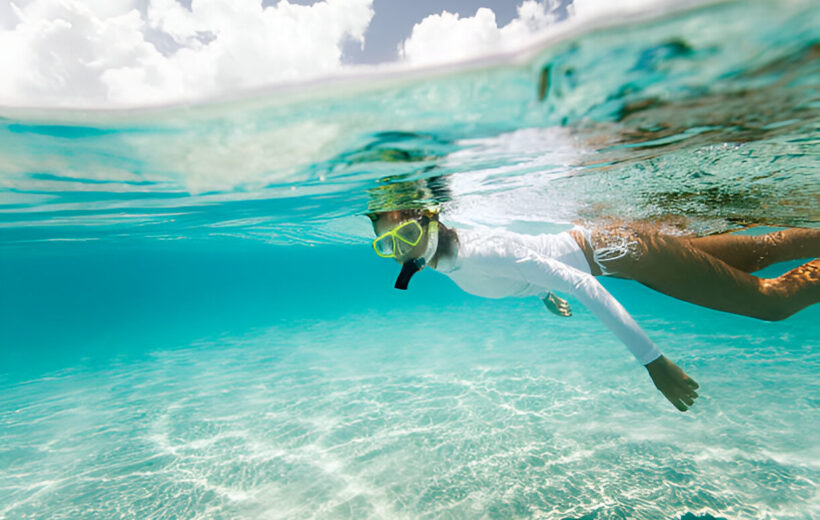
(405,236)
(399,240)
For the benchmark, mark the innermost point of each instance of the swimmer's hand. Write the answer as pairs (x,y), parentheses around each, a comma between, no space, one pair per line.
(673,383)
(557,305)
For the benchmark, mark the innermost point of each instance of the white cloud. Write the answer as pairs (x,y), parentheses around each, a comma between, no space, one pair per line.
(446,37)
(104,52)
(582,9)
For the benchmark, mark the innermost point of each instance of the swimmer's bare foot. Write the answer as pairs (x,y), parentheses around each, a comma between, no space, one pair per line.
(557,305)
(673,383)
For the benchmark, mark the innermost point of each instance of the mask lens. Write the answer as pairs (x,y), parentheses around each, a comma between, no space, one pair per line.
(402,248)
(384,246)
(410,232)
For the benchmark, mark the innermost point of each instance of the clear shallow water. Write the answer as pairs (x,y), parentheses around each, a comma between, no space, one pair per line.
(193,325)
(362,410)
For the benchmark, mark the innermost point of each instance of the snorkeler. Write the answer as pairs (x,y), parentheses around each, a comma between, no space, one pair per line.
(711,271)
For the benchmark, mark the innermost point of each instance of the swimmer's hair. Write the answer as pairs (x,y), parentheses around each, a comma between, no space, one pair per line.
(439,188)
(417,195)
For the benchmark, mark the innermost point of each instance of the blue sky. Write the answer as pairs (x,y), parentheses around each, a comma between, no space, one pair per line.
(394,19)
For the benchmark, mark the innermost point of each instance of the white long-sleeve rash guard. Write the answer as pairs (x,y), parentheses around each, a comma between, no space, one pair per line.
(496,264)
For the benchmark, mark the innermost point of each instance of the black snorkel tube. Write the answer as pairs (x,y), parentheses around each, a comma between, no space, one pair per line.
(409,268)
(414,265)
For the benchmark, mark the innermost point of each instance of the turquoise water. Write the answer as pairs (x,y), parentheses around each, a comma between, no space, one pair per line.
(193,324)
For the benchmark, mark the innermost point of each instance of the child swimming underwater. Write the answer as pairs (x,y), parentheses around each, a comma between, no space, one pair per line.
(710,271)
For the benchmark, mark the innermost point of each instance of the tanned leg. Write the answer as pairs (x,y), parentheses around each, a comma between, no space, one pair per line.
(800,287)
(675,267)
(751,253)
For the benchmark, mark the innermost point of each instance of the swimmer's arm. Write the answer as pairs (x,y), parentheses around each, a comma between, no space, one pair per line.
(547,272)
(672,382)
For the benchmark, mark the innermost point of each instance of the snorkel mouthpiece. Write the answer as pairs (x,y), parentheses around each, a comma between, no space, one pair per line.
(414,265)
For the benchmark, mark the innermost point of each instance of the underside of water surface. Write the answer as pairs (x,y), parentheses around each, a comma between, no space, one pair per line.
(193,323)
